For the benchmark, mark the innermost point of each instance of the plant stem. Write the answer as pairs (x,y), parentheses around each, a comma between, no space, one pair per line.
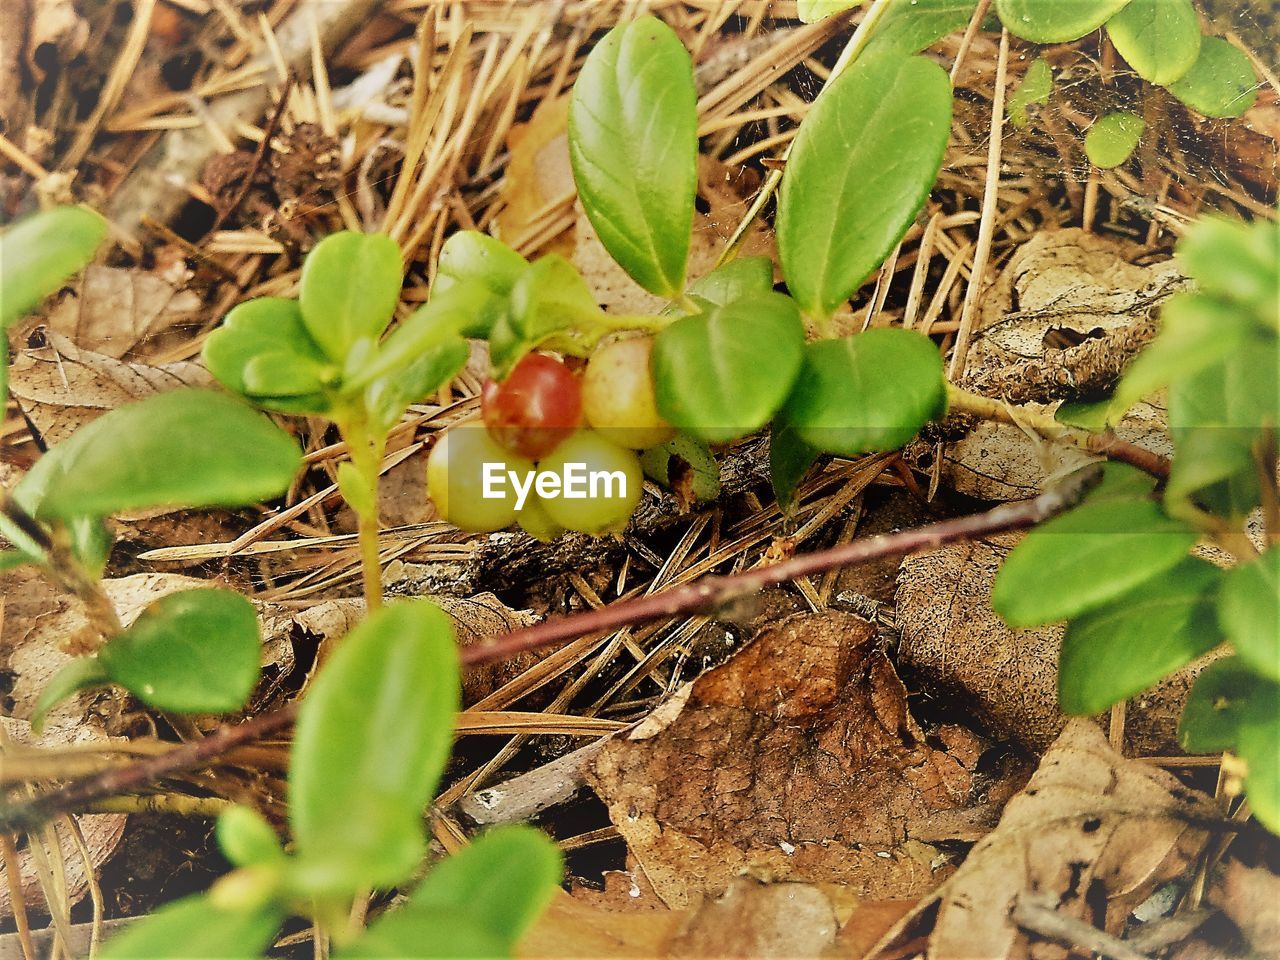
(708,595)
(1107,444)
(366,456)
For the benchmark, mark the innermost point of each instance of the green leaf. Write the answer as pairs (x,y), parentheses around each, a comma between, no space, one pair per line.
(354,490)
(549,297)
(866,393)
(1113,138)
(1035,88)
(1121,482)
(1160,39)
(1237,262)
(372,738)
(860,170)
(81,673)
(811,11)
(1249,611)
(1092,415)
(349,289)
(38,253)
(389,397)
(633,143)
(195,651)
(704,471)
(10,559)
(186,448)
(1221,83)
(908,26)
(1091,555)
(1196,331)
(1055,21)
(432,935)
(501,883)
(1114,652)
(246,839)
(470,256)
(268,334)
(1260,747)
(1221,702)
(789,460)
(195,928)
(739,278)
(722,375)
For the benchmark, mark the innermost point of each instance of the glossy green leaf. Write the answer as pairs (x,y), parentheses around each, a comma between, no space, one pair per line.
(196,928)
(1216,417)
(722,375)
(81,673)
(372,738)
(389,397)
(1238,262)
(246,839)
(1160,39)
(1093,554)
(186,448)
(1114,652)
(501,882)
(1196,332)
(270,332)
(1221,83)
(349,289)
(1056,21)
(1092,415)
(1260,748)
(684,453)
(1249,611)
(38,253)
(860,170)
(789,460)
(549,297)
(1113,138)
(866,393)
(194,651)
(1225,696)
(470,256)
(1035,88)
(908,26)
(633,144)
(739,278)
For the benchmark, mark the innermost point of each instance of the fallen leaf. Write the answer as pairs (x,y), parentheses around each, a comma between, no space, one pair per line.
(538,173)
(60,387)
(1250,896)
(1092,832)
(798,760)
(57,35)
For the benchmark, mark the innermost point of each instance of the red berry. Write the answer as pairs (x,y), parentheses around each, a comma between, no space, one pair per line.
(535,408)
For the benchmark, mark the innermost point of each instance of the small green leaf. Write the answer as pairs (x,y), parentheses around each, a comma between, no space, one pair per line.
(195,928)
(811,11)
(737,279)
(549,297)
(1260,748)
(266,332)
(501,883)
(11,559)
(789,460)
(81,673)
(633,143)
(349,289)
(1249,611)
(195,651)
(186,448)
(860,170)
(38,253)
(1113,138)
(1092,415)
(1160,39)
(866,393)
(1114,652)
(470,256)
(1055,21)
(1035,88)
(909,26)
(1237,262)
(1093,554)
(704,471)
(1221,83)
(389,397)
(1196,331)
(246,839)
(722,375)
(354,490)
(1220,704)
(431,935)
(1121,482)
(372,738)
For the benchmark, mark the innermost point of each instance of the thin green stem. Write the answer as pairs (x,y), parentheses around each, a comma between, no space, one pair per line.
(366,451)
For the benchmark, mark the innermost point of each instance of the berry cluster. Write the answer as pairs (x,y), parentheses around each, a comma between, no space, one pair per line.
(543,418)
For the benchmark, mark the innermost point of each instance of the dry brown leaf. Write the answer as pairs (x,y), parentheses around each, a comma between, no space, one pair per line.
(1007,678)
(797,759)
(60,387)
(538,173)
(57,34)
(1250,896)
(115,311)
(1092,831)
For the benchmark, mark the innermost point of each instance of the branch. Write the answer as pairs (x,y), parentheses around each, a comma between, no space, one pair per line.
(705,596)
